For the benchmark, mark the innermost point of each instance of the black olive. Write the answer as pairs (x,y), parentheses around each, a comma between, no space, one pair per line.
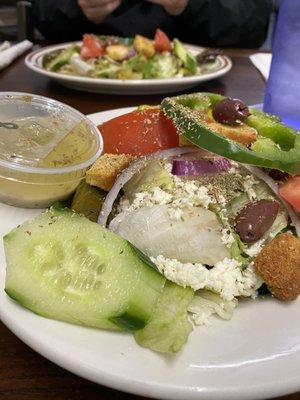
(255,219)
(263,290)
(230,111)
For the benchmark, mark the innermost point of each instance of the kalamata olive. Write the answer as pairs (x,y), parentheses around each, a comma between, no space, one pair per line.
(255,219)
(230,111)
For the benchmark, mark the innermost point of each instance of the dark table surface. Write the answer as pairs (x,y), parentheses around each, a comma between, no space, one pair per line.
(24,374)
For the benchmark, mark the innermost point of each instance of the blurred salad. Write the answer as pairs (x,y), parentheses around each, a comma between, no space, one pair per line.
(126,58)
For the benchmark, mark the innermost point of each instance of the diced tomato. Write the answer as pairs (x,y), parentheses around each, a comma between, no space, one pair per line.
(290,191)
(91,47)
(139,132)
(161,41)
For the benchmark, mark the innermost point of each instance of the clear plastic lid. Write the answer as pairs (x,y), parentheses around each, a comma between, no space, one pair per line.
(41,135)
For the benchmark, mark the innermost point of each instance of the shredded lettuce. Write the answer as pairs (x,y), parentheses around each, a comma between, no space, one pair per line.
(169,327)
(206,303)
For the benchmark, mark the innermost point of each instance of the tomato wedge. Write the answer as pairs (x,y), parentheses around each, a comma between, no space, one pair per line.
(290,191)
(139,132)
(91,47)
(161,41)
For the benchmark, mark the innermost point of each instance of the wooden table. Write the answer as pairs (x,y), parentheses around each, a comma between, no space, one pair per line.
(24,374)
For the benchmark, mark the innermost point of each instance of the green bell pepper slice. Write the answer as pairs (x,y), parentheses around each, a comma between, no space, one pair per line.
(277,147)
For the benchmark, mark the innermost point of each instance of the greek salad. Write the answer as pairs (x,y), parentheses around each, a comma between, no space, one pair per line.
(114,57)
(193,207)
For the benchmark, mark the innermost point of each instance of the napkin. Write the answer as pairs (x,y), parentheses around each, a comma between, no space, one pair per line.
(5,45)
(9,55)
(262,62)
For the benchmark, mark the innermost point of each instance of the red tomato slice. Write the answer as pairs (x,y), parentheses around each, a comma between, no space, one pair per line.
(139,132)
(290,191)
(161,41)
(91,47)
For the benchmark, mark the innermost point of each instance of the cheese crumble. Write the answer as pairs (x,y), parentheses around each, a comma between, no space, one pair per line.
(225,278)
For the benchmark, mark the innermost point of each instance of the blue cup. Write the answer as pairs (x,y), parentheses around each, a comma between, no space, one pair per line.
(282,96)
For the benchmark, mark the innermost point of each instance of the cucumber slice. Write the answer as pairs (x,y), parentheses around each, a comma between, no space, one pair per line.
(63,266)
(62,59)
(169,327)
(189,61)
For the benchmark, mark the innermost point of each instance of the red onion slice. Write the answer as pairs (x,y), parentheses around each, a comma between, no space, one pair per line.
(182,167)
(274,187)
(131,53)
(128,173)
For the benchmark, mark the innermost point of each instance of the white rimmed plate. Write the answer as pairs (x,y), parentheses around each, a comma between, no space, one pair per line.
(255,355)
(34,61)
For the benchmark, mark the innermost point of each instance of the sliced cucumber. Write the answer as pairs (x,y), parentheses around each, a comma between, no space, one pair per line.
(169,327)
(189,61)
(63,266)
(63,58)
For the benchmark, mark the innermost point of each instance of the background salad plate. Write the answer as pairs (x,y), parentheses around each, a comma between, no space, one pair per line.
(34,61)
(255,355)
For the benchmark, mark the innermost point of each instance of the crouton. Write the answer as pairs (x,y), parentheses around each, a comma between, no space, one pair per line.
(105,170)
(279,266)
(144,46)
(242,134)
(117,52)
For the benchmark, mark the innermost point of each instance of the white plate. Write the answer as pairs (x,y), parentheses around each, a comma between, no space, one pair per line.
(34,61)
(255,355)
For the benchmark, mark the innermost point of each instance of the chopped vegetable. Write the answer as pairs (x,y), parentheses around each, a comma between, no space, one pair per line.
(290,191)
(161,41)
(91,47)
(139,132)
(189,61)
(169,328)
(63,266)
(88,201)
(184,167)
(185,113)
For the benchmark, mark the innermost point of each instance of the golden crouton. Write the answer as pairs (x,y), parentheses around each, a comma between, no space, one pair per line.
(117,52)
(105,170)
(279,266)
(144,46)
(243,134)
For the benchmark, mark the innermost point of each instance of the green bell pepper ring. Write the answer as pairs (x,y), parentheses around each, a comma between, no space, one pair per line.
(278,146)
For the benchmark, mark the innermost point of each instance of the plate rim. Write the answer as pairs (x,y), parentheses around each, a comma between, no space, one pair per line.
(264,389)
(31,63)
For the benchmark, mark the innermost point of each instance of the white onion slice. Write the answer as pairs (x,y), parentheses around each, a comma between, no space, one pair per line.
(274,187)
(128,173)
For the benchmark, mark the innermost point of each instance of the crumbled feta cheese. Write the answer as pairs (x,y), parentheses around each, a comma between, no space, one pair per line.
(248,183)
(230,281)
(167,166)
(227,237)
(159,196)
(184,194)
(221,200)
(203,196)
(225,278)
(232,170)
(188,274)
(255,249)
